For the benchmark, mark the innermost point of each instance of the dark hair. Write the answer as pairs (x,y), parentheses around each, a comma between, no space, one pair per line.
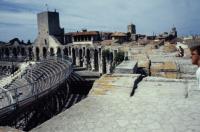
(197,48)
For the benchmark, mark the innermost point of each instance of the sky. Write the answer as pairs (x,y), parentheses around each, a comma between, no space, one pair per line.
(18,18)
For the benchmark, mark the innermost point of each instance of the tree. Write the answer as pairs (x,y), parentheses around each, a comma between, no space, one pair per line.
(119,57)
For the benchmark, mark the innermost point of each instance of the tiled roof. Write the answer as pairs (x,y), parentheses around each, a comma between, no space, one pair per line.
(119,34)
(85,33)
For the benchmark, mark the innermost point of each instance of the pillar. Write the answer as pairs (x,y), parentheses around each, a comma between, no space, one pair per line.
(77,57)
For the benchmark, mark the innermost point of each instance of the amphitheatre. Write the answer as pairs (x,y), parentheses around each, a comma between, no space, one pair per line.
(98,81)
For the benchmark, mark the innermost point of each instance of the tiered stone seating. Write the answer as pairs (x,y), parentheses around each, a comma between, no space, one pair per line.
(36,79)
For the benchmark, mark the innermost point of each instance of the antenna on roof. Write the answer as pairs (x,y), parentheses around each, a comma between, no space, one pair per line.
(47,7)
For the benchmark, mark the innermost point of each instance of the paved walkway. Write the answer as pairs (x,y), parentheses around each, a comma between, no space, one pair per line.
(159,105)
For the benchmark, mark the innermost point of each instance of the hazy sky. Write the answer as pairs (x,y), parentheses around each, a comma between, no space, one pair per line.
(18,17)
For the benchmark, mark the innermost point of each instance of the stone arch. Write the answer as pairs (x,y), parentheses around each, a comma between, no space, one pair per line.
(96,60)
(111,57)
(23,52)
(51,51)
(3,52)
(65,52)
(30,53)
(59,54)
(104,60)
(44,50)
(88,59)
(37,51)
(73,56)
(81,57)
(14,51)
(70,51)
(7,52)
(83,51)
(18,50)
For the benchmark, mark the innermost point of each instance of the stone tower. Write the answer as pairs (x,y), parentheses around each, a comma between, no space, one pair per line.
(131,29)
(49,24)
(174,31)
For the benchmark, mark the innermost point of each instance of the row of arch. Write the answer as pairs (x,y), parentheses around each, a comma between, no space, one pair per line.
(10,52)
(90,58)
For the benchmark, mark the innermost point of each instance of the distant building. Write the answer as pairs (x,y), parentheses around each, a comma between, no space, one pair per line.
(106,35)
(85,37)
(68,38)
(168,36)
(120,36)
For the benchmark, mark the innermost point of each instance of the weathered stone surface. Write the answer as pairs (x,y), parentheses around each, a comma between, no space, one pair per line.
(114,82)
(166,69)
(159,104)
(126,67)
(9,129)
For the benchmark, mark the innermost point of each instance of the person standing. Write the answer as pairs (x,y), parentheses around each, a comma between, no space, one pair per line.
(195,56)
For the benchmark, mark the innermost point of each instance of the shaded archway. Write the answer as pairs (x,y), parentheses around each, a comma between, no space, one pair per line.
(30,53)
(73,56)
(88,59)
(65,52)
(81,57)
(70,51)
(3,52)
(111,60)
(23,52)
(59,52)
(111,57)
(37,53)
(7,52)
(96,60)
(51,52)
(44,52)
(83,51)
(14,51)
(18,50)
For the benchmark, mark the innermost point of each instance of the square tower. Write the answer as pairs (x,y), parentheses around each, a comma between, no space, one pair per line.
(49,24)
(131,29)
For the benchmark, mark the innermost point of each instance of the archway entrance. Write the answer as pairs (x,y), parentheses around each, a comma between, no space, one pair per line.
(7,53)
(14,52)
(73,56)
(65,51)
(59,53)
(23,52)
(81,57)
(44,52)
(30,54)
(51,52)
(37,53)
(88,59)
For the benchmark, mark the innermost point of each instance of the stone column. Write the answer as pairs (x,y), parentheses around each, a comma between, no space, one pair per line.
(77,57)
(84,62)
(108,66)
(100,61)
(92,59)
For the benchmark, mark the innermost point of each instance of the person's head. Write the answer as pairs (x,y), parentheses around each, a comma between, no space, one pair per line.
(195,55)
